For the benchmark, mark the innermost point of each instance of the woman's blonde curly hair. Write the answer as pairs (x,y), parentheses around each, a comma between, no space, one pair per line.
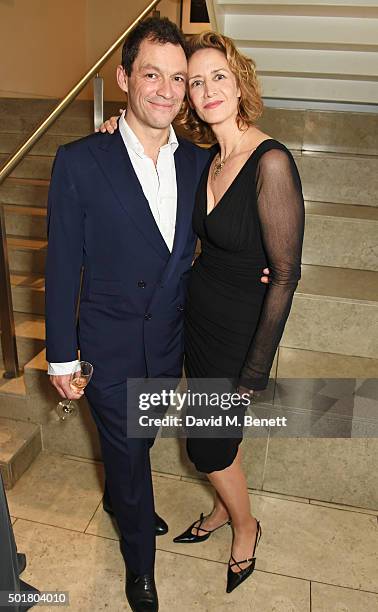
(243,68)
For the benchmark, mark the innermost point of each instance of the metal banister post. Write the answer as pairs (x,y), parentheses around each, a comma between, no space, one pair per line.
(98,101)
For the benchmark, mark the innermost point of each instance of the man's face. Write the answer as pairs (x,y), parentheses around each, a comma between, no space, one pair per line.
(156,85)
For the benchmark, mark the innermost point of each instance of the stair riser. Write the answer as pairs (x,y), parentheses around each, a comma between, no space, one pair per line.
(14,408)
(27,261)
(336,132)
(47,145)
(22,444)
(18,115)
(32,167)
(31,226)
(342,180)
(332,325)
(338,242)
(24,194)
(27,348)
(28,300)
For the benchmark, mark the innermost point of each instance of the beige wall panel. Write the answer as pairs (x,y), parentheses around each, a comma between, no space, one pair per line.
(47,45)
(42,46)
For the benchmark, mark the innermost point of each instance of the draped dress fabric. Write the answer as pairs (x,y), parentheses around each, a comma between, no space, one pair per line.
(234,322)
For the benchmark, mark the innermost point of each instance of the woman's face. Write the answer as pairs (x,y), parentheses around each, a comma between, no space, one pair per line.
(212,87)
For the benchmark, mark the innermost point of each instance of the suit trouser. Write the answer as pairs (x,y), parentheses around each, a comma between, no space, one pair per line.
(128,477)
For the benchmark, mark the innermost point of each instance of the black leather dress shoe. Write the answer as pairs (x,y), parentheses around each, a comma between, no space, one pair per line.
(161,526)
(141,592)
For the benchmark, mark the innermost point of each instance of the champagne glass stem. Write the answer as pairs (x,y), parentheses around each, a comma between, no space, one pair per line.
(67,408)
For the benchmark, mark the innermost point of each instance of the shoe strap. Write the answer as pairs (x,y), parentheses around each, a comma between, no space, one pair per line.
(199,528)
(237,562)
(258,536)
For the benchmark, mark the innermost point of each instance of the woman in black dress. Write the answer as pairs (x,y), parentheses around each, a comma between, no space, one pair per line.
(249,215)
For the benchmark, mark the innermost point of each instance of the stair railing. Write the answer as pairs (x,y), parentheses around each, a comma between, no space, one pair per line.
(7,326)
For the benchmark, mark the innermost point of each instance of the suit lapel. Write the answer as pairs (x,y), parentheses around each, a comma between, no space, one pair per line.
(111,154)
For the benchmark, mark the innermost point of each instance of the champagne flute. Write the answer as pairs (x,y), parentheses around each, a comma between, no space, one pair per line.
(79,380)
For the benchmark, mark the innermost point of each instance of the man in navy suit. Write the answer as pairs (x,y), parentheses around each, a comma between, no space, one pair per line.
(120,207)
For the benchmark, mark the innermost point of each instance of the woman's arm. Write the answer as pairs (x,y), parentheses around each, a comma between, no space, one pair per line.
(281,215)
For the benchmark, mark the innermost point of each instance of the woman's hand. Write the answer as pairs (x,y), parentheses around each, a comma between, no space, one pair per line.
(243,390)
(110,125)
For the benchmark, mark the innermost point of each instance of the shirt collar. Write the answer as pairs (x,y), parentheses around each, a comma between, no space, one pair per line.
(132,142)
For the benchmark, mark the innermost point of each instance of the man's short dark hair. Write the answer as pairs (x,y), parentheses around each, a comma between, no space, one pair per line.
(157,29)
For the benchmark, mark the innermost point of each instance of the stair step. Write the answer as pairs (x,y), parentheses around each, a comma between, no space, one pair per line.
(30,338)
(325,131)
(28,293)
(46,145)
(32,166)
(20,443)
(298,363)
(343,132)
(335,310)
(27,221)
(345,179)
(330,227)
(26,192)
(341,283)
(12,388)
(76,121)
(27,255)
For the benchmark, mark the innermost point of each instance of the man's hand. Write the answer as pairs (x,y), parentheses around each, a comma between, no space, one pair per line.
(265,279)
(62,385)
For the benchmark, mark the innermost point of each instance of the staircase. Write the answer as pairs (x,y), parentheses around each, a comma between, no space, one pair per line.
(25,407)
(333,326)
(306,49)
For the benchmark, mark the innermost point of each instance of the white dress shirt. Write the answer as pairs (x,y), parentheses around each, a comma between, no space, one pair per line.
(160,189)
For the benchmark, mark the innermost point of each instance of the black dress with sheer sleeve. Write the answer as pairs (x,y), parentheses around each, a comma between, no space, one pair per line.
(234,322)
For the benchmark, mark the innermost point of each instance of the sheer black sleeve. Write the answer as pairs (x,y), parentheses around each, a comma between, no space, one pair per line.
(281,215)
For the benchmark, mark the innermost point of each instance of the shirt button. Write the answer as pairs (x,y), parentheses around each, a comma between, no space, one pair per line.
(148,316)
(141,284)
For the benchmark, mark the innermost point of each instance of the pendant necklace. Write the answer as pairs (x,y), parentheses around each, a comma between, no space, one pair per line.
(218,166)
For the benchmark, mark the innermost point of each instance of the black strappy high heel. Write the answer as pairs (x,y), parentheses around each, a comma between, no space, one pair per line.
(189,538)
(234,579)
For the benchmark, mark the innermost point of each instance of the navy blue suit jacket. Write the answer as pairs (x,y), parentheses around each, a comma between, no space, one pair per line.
(130,320)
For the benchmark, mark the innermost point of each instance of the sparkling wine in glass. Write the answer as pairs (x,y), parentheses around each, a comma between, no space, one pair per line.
(78,381)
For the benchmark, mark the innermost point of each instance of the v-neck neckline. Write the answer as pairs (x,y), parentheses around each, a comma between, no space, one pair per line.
(208,213)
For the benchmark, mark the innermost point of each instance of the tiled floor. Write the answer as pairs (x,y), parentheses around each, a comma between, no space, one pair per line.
(313,556)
